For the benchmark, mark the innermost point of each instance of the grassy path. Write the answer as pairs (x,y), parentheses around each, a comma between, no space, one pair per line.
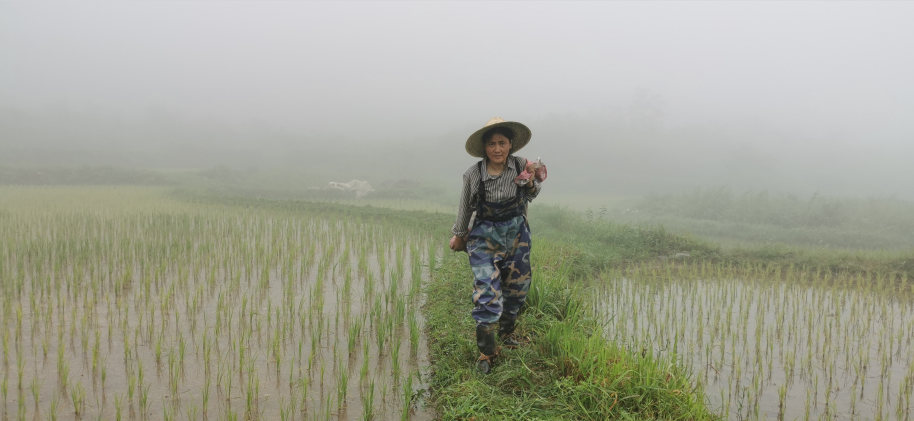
(564,369)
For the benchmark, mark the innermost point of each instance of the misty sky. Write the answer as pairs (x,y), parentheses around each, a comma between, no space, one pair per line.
(373,70)
(802,97)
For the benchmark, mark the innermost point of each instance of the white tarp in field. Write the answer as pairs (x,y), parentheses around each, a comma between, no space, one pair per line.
(360,188)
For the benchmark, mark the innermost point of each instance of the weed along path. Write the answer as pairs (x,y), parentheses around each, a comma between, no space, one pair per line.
(122,303)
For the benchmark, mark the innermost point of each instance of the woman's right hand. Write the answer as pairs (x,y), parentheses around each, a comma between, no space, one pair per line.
(458,243)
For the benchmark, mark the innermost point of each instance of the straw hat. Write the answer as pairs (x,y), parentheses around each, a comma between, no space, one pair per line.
(520,139)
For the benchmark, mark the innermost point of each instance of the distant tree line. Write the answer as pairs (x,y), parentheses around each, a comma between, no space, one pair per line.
(106,175)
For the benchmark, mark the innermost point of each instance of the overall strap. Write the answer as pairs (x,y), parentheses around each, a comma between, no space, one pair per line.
(481,189)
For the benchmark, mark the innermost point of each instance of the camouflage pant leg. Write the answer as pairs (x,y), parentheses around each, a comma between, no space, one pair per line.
(500,259)
(516,273)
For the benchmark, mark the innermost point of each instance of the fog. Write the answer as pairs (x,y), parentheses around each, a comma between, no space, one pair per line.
(622,98)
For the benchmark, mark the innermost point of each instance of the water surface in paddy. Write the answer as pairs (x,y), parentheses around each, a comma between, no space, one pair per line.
(773,349)
(228,315)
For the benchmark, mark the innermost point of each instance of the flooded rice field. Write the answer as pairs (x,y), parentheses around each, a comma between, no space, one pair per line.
(773,344)
(124,305)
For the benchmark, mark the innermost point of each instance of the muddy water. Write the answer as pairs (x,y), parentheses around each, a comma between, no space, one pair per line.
(768,349)
(227,316)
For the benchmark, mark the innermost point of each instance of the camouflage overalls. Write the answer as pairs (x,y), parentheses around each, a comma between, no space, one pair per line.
(499,249)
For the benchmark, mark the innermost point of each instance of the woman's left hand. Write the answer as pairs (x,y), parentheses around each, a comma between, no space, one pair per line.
(458,243)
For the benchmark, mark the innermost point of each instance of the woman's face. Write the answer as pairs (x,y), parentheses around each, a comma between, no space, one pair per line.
(497,148)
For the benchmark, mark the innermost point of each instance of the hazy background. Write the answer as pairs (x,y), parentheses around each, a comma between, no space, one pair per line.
(623,98)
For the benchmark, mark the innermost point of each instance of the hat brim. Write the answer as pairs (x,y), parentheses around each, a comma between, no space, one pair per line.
(522,136)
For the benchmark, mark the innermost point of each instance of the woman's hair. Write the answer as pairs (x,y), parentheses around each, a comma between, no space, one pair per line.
(504,131)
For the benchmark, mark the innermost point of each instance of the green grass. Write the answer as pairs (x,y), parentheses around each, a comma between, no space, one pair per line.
(565,367)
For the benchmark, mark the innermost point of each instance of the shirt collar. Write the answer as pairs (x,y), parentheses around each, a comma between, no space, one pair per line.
(485,167)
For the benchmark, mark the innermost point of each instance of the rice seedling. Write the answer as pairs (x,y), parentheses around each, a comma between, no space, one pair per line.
(63,366)
(144,399)
(36,391)
(242,291)
(78,398)
(205,395)
(285,410)
(368,403)
(414,334)
(395,356)
(191,412)
(363,372)
(771,342)
(407,396)
(131,386)
(20,367)
(168,413)
(6,340)
(53,407)
(342,387)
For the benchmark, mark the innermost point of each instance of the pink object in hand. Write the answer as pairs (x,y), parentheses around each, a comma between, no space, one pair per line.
(541,173)
(538,170)
(522,178)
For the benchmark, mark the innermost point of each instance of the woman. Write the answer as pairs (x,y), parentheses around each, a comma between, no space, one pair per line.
(498,241)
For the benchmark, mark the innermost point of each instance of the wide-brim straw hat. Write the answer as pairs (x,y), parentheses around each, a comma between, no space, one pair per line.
(520,138)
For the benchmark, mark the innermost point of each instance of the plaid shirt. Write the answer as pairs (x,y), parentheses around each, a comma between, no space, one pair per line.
(498,189)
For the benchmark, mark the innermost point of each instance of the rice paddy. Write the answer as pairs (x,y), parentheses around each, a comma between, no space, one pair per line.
(772,342)
(121,303)
(130,303)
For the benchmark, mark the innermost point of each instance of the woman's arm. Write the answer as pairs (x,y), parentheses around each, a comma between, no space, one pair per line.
(532,189)
(459,240)
(465,208)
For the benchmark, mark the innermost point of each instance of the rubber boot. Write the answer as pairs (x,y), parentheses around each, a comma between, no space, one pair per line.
(485,340)
(506,330)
